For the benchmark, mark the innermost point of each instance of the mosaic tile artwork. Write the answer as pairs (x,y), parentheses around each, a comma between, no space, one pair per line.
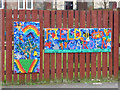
(26,47)
(62,40)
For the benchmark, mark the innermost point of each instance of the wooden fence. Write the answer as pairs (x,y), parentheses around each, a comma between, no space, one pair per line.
(61,65)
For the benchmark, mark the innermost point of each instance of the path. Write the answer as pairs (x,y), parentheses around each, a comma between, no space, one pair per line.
(73,85)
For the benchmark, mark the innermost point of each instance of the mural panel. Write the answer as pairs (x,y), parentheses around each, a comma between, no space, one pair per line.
(62,40)
(26,47)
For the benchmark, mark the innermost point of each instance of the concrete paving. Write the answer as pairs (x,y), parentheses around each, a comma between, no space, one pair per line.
(72,85)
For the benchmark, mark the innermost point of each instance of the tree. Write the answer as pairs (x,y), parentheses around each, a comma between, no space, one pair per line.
(102,3)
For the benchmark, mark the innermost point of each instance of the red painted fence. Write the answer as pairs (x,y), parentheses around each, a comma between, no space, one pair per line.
(61,65)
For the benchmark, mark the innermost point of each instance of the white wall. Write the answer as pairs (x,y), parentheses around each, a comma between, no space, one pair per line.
(61,4)
(97,3)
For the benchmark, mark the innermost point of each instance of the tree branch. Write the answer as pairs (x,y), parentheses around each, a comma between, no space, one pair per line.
(23,50)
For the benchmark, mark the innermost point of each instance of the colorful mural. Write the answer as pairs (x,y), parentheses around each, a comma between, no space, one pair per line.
(26,47)
(62,40)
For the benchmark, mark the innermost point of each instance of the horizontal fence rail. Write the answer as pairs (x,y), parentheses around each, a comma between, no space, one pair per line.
(70,66)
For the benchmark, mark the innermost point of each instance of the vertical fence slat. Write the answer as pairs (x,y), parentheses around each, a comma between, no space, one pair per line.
(8,45)
(46,66)
(110,53)
(34,19)
(53,54)
(21,18)
(70,55)
(99,65)
(28,19)
(93,65)
(64,54)
(88,54)
(52,66)
(2,43)
(58,55)
(82,55)
(116,43)
(99,53)
(70,66)
(58,66)
(15,19)
(41,44)
(64,65)
(76,54)
(46,55)
(82,65)
(104,54)
(93,55)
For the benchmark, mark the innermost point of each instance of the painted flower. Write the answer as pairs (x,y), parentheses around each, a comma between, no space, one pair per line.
(77,34)
(109,40)
(107,33)
(104,38)
(105,30)
(81,38)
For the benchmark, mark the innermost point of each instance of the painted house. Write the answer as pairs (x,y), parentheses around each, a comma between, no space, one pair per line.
(59,4)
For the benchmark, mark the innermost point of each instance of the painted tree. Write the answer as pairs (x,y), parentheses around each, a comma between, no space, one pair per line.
(27,46)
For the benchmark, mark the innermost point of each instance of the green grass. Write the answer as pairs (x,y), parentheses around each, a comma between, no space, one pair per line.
(66,81)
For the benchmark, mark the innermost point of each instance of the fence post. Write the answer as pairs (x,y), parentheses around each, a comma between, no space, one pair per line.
(8,46)
(28,19)
(58,55)
(82,55)
(34,18)
(46,55)
(88,54)
(104,54)
(116,43)
(21,18)
(64,54)
(2,48)
(53,54)
(70,55)
(76,54)
(93,54)
(41,43)
(111,53)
